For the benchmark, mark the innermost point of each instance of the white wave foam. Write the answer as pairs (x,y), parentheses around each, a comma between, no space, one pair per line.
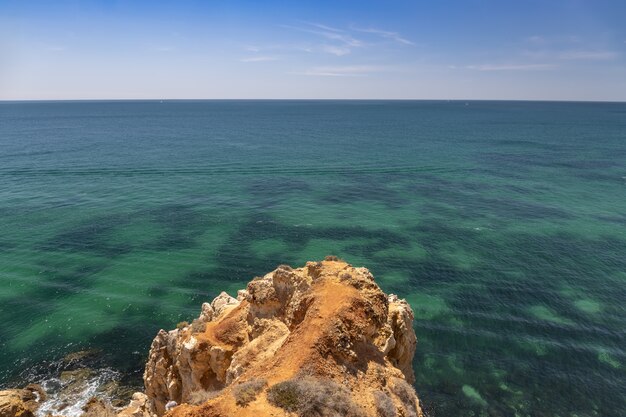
(68,397)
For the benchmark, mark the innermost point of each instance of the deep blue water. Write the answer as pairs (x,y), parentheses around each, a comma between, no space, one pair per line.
(502,223)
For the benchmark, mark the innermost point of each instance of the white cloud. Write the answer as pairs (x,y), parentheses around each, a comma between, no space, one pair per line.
(335,50)
(340,37)
(567,48)
(327,32)
(324,27)
(553,40)
(259,59)
(340,42)
(511,67)
(395,36)
(345,71)
(272,48)
(588,55)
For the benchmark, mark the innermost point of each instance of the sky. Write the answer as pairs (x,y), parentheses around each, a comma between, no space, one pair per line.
(231,49)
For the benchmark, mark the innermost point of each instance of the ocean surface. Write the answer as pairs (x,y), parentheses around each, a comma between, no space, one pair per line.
(502,223)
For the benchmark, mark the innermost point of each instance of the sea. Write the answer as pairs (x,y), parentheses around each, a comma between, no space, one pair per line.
(502,223)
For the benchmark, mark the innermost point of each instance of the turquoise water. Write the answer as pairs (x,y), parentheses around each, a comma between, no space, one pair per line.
(502,223)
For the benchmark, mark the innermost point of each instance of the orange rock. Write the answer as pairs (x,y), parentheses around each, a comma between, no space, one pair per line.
(20,402)
(326,328)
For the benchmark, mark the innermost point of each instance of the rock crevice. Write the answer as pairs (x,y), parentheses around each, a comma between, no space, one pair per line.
(320,340)
(327,321)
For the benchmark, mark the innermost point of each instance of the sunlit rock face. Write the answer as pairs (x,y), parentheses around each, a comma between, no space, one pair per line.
(21,402)
(324,325)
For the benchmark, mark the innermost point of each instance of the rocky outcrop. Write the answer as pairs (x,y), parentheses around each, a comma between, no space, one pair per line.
(291,334)
(21,402)
(321,340)
(96,407)
(139,407)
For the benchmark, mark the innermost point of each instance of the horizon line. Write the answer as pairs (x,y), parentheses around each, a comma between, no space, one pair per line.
(305,99)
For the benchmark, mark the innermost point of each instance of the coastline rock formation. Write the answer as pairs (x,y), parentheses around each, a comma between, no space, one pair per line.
(21,402)
(322,340)
(319,340)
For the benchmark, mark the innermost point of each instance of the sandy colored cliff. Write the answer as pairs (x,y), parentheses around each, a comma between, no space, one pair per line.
(326,328)
(321,340)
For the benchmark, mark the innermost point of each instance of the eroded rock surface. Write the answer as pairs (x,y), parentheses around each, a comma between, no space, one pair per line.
(139,407)
(325,323)
(20,402)
(321,340)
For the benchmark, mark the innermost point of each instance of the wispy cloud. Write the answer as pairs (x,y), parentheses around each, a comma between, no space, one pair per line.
(324,40)
(278,47)
(327,32)
(335,50)
(566,48)
(394,36)
(259,59)
(552,40)
(340,42)
(570,55)
(588,55)
(343,71)
(324,27)
(511,67)
(539,53)
(283,49)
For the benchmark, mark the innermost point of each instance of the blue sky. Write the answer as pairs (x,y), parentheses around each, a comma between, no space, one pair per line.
(549,50)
